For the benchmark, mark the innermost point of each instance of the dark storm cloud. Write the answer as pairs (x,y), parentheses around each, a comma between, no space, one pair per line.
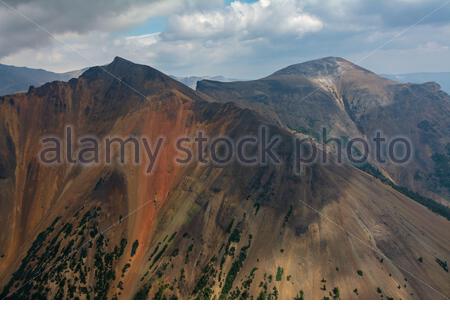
(17,32)
(82,16)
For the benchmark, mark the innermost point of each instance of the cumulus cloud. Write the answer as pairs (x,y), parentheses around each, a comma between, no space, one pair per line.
(265,18)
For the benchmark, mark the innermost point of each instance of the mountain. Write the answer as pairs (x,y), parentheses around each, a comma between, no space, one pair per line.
(203,231)
(19,79)
(442,78)
(191,81)
(352,102)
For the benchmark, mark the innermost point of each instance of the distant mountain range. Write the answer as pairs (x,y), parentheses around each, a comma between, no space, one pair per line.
(19,79)
(442,78)
(191,81)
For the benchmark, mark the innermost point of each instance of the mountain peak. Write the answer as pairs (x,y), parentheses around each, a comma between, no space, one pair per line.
(125,66)
(121,61)
(328,66)
(330,59)
(121,68)
(139,78)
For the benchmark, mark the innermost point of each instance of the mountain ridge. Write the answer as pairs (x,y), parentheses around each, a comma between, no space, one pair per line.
(191,81)
(442,78)
(352,102)
(197,231)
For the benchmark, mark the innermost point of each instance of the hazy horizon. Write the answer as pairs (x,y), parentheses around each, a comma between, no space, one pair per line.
(218,75)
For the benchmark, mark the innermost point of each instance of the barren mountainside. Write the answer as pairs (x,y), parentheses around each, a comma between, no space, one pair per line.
(353,102)
(205,231)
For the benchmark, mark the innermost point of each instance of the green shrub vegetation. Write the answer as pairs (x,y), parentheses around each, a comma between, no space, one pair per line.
(257,206)
(279,275)
(158,255)
(134,247)
(203,289)
(300,295)
(427,202)
(234,270)
(336,294)
(235,236)
(189,250)
(442,169)
(443,264)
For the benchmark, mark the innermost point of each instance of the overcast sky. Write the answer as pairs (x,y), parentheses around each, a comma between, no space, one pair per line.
(239,39)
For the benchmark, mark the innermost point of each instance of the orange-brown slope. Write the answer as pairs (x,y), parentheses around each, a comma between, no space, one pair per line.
(96,104)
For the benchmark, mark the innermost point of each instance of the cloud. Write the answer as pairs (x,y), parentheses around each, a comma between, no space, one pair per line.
(265,18)
(209,30)
(199,41)
(381,13)
(19,19)
(236,39)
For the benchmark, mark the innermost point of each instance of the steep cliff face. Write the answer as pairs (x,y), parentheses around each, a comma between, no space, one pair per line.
(195,231)
(353,102)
